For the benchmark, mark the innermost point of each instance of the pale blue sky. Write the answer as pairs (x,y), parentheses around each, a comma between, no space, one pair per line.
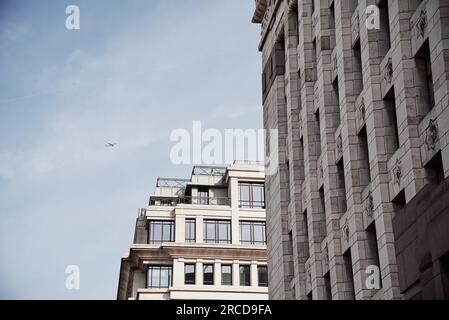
(135,71)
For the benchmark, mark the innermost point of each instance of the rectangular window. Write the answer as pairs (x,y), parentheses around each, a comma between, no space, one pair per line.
(226,275)
(161,231)
(189,274)
(190,230)
(217,231)
(262,276)
(383,34)
(208,274)
(253,232)
(251,195)
(159,276)
(245,276)
(203,196)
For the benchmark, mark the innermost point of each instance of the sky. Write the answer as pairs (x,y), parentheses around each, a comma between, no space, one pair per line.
(135,71)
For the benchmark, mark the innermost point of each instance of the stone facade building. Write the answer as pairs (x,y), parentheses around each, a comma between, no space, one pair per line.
(358,91)
(200,238)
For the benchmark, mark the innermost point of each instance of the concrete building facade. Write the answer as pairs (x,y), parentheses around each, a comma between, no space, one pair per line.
(200,238)
(358,93)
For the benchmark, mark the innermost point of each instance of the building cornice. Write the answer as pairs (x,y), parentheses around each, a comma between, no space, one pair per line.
(261,7)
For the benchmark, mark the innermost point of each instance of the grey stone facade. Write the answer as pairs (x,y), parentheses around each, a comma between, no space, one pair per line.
(363,121)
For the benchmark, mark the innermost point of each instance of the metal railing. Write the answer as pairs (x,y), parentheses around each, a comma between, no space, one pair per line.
(171,182)
(259,204)
(208,171)
(249,162)
(172,202)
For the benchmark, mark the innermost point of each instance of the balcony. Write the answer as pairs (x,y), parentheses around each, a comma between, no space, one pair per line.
(175,201)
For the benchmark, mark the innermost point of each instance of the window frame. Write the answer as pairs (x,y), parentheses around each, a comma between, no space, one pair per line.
(217,235)
(162,223)
(259,283)
(246,283)
(203,196)
(188,223)
(252,235)
(230,274)
(190,282)
(253,188)
(211,282)
(159,268)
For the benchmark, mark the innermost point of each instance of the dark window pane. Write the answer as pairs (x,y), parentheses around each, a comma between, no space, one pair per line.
(251,195)
(217,231)
(159,276)
(223,231)
(155,277)
(259,233)
(252,232)
(262,273)
(208,274)
(190,230)
(245,276)
(166,232)
(161,231)
(189,272)
(226,275)
(210,231)
(203,196)
(245,232)
(157,232)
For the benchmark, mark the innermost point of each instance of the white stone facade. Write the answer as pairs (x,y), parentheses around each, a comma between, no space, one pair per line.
(177,200)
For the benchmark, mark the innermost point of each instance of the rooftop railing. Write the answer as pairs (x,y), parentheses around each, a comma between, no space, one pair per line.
(249,162)
(172,202)
(208,171)
(171,182)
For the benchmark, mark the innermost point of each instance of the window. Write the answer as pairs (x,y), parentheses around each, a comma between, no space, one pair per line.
(262,276)
(245,276)
(190,231)
(252,232)
(208,274)
(159,276)
(161,231)
(252,195)
(226,275)
(217,231)
(189,274)
(203,196)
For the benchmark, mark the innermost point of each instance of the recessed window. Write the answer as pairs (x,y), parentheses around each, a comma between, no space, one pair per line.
(189,274)
(159,276)
(208,274)
(217,231)
(190,231)
(226,275)
(262,276)
(161,231)
(245,275)
(253,232)
(251,195)
(203,196)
